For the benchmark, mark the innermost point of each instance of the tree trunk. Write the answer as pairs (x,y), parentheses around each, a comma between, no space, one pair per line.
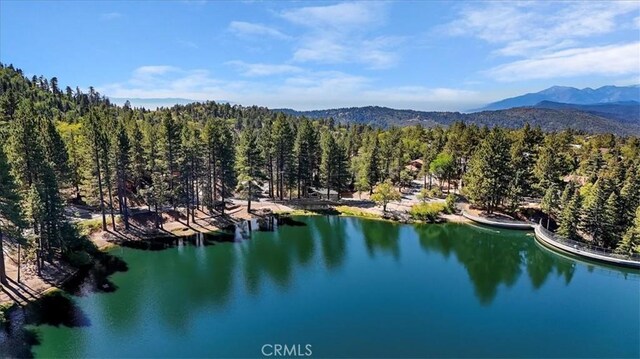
(125,214)
(157,215)
(113,221)
(249,198)
(100,190)
(299,174)
(19,261)
(215,179)
(222,189)
(270,177)
(3,273)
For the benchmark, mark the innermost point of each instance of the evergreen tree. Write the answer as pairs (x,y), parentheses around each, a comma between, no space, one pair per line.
(170,147)
(283,144)
(304,157)
(487,180)
(249,164)
(593,221)
(373,164)
(93,135)
(265,141)
(612,230)
(10,214)
(226,163)
(570,215)
(121,153)
(630,243)
(551,163)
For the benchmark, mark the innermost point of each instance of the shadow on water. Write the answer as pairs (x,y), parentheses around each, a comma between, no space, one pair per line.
(58,308)
(18,337)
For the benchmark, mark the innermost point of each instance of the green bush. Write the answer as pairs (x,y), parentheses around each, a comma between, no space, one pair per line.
(88,226)
(450,202)
(436,192)
(427,212)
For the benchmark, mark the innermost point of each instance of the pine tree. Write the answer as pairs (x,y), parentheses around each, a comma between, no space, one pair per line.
(630,243)
(333,165)
(122,151)
(226,163)
(570,215)
(249,165)
(373,164)
(593,221)
(55,150)
(612,230)
(283,143)
(265,141)
(93,135)
(549,203)
(10,214)
(302,149)
(551,163)
(170,147)
(487,180)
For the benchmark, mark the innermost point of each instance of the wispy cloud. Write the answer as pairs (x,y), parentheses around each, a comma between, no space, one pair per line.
(248,29)
(551,39)
(339,17)
(341,33)
(609,60)
(532,28)
(259,69)
(110,16)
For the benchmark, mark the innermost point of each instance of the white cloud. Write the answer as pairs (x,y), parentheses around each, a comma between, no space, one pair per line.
(302,90)
(111,16)
(248,29)
(341,33)
(337,17)
(259,69)
(533,28)
(621,59)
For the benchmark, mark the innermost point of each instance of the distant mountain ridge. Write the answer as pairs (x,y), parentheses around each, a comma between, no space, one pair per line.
(549,119)
(625,111)
(571,95)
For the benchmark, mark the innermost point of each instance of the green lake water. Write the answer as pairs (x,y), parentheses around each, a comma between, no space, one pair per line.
(350,287)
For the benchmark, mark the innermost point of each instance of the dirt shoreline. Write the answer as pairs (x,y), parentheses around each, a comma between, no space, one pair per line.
(33,287)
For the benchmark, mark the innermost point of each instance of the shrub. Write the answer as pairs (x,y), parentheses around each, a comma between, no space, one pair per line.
(436,192)
(88,226)
(356,212)
(427,212)
(450,202)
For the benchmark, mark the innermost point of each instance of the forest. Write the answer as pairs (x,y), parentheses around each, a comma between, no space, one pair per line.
(66,146)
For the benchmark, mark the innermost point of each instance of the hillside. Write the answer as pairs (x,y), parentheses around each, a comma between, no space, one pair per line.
(627,111)
(570,95)
(547,119)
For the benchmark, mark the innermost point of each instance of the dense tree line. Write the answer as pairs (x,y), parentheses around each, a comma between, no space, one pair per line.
(66,146)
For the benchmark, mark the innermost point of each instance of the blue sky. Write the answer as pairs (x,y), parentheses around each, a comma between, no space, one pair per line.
(311,55)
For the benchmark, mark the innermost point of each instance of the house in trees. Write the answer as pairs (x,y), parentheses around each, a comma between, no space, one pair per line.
(414,166)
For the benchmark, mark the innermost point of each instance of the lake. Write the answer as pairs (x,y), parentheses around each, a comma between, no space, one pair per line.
(349,287)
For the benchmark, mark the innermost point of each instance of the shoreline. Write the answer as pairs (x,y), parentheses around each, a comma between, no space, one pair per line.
(107,240)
